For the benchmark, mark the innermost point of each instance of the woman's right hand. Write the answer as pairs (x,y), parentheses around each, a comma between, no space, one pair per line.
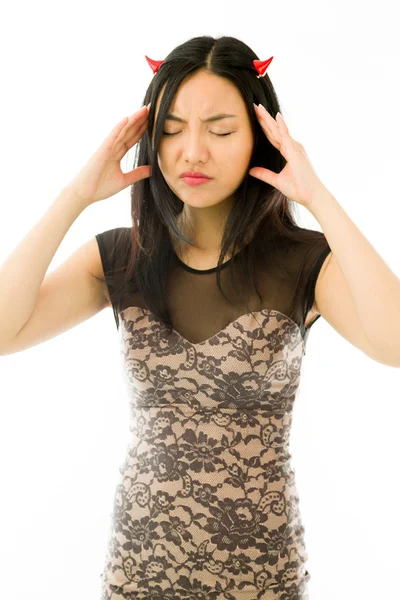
(102,176)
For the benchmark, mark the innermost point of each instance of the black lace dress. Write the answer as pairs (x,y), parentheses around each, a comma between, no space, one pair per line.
(206,506)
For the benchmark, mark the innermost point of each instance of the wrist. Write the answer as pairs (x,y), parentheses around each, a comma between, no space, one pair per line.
(71,202)
(318,201)
(70,198)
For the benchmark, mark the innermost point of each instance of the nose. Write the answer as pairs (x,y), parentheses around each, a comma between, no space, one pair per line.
(195,149)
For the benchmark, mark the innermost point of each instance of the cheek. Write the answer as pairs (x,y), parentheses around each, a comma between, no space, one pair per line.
(161,156)
(243,154)
(164,164)
(235,160)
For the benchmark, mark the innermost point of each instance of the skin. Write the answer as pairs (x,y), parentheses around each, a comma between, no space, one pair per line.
(197,148)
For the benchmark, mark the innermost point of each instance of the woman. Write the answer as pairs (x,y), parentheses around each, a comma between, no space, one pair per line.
(214,289)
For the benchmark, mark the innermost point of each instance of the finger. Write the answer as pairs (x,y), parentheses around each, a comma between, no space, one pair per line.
(265,117)
(135,132)
(134,136)
(134,121)
(284,130)
(281,123)
(286,137)
(115,132)
(125,143)
(272,133)
(118,132)
(264,175)
(261,111)
(139,115)
(137,174)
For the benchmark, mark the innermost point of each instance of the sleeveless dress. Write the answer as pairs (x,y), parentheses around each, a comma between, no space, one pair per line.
(206,506)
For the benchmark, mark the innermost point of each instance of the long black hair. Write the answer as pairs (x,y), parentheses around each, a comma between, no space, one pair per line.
(260,212)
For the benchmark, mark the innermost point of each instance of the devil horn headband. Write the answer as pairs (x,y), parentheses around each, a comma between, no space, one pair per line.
(260,65)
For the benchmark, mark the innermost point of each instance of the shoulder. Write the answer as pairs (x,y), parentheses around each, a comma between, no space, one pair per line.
(113,247)
(111,238)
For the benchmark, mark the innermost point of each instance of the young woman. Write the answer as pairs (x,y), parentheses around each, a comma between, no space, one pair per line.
(214,289)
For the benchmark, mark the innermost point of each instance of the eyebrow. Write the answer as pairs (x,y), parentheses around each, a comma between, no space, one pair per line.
(171,117)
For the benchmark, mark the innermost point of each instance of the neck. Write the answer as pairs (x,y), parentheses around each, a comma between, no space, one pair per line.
(204,227)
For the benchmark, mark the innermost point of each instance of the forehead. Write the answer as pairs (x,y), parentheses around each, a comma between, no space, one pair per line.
(206,94)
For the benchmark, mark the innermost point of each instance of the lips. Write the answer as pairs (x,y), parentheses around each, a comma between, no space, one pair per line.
(195,174)
(196,180)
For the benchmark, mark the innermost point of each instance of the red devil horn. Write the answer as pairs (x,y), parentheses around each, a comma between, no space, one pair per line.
(154,64)
(262,66)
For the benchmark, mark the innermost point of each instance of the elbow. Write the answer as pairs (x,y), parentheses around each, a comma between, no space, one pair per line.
(389,357)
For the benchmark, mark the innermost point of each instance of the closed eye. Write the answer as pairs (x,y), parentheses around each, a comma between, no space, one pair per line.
(217,134)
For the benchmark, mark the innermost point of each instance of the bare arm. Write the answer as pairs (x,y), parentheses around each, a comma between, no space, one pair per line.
(22,274)
(34,307)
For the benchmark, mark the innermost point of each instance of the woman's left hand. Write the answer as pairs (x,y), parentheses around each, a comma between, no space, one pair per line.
(297,180)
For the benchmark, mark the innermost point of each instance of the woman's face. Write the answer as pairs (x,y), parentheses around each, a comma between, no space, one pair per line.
(197,145)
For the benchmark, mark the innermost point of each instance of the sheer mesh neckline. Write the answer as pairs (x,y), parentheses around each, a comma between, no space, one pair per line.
(212,270)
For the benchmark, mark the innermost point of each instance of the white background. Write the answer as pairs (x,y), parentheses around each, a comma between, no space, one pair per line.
(70,72)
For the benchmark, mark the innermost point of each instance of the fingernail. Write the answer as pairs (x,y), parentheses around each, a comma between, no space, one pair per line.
(262,107)
(148,105)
